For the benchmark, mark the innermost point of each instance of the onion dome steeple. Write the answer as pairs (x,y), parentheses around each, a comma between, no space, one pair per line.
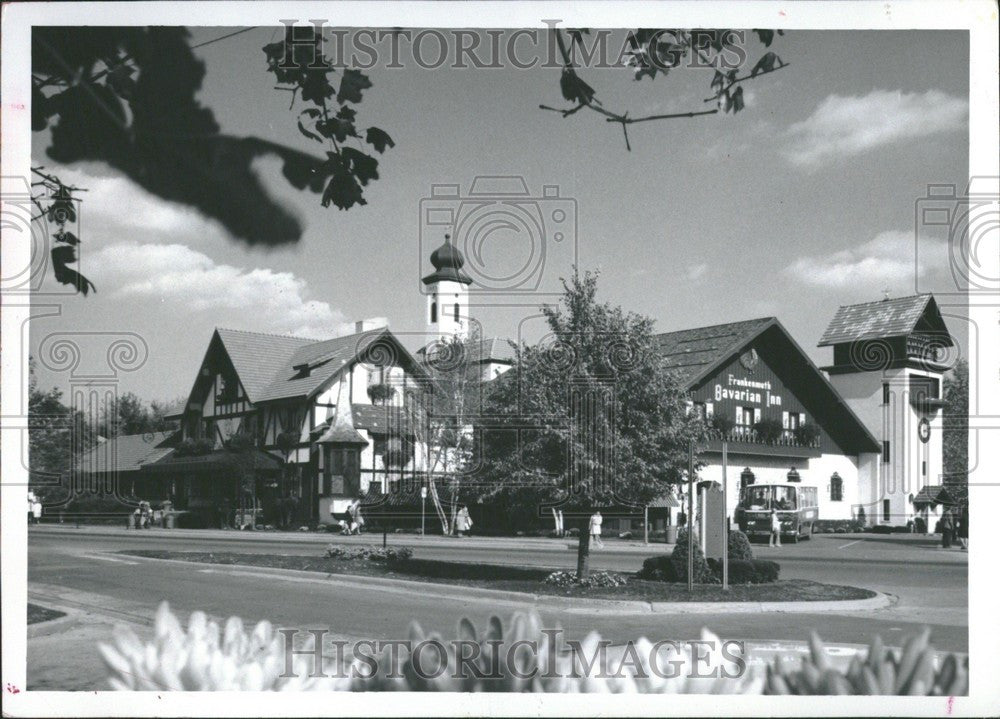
(448,261)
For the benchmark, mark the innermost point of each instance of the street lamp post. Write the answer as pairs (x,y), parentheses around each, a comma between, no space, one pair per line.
(423,506)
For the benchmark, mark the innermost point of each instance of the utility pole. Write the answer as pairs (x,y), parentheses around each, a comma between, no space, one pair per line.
(690,519)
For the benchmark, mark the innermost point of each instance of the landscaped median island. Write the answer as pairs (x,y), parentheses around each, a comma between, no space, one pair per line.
(38,614)
(398,563)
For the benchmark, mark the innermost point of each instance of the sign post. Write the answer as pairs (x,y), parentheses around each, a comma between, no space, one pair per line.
(645,525)
(423,505)
(725,516)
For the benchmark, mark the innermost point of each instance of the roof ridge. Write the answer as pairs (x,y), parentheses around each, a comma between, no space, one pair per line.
(720,324)
(889,299)
(271,334)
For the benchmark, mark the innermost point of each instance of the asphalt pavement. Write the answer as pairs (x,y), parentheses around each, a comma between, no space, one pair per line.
(81,570)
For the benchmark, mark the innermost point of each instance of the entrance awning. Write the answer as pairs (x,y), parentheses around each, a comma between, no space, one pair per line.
(931,496)
(218,460)
(668,501)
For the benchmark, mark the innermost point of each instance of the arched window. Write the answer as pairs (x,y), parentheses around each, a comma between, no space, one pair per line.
(456,312)
(836,488)
(434,312)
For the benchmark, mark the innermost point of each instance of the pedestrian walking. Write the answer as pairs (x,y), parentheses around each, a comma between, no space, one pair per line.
(596,520)
(775,538)
(963,527)
(947,528)
(463,522)
(36,511)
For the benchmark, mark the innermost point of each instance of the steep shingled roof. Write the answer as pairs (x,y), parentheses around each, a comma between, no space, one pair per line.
(258,357)
(691,352)
(883,318)
(125,453)
(323,360)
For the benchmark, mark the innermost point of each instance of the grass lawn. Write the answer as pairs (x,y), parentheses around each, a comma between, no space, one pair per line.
(38,614)
(522,579)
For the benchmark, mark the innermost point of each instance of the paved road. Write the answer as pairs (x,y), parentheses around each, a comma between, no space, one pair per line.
(82,566)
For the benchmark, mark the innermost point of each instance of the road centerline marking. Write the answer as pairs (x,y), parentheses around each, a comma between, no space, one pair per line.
(844,546)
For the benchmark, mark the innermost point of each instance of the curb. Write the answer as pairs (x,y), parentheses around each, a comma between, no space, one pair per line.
(41,629)
(577,605)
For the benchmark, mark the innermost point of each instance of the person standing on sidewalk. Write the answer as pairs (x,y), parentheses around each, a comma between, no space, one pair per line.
(947,527)
(963,526)
(596,520)
(775,539)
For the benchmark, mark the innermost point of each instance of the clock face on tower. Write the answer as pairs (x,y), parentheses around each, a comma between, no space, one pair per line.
(924,430)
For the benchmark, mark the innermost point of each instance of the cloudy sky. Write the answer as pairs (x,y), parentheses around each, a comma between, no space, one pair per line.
(802,202)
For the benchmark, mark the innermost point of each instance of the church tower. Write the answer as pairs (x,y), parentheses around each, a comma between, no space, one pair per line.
(447,294)
(889,360)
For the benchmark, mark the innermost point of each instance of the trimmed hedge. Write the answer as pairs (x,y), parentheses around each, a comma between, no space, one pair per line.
(755,571)
(743,568)
(739,547)
(679,558)
(838,526)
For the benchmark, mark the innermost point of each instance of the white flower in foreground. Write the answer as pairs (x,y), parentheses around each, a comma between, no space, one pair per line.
(204,658)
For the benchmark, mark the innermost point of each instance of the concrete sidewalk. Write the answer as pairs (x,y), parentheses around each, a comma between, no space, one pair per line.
(322,538)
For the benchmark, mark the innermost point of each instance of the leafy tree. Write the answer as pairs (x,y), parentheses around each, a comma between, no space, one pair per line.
(128,414)
(56,433)
(589,417)
(956,430)
(442,413)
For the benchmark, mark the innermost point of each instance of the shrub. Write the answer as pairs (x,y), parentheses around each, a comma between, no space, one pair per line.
(739,546)
(194,447)
(768,430)
(658,568)
(374,554)
(754,571)
(679,558)
(806,434)
(723,425)
(828,526)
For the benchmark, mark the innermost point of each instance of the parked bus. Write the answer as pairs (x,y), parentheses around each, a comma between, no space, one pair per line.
(796,505)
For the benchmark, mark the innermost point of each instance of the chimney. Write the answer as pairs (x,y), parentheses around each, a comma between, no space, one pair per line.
(370,324)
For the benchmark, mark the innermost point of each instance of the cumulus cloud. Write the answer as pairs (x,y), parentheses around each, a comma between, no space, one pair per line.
(115,208)
(885,262)
(179,276)
(848,126)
